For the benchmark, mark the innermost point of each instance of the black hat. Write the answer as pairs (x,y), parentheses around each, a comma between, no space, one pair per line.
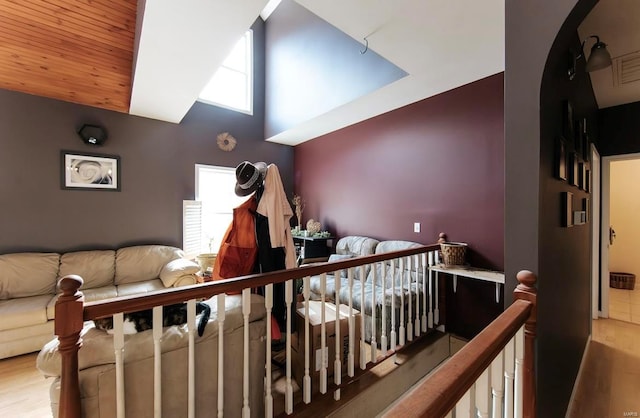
(249,177)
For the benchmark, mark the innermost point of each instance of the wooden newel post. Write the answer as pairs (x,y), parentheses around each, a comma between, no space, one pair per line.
(526,291)
(68,324)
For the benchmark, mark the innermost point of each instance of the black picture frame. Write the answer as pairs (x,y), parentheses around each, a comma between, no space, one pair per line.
(577,133)
(581,174)
(89,171)
(585,208)
(567,121)
(587,180)
(572,169)
(560,166)
(566,209)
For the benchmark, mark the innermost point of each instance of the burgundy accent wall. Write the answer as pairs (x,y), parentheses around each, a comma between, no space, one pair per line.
(312,68)
(439,162)
(158,169)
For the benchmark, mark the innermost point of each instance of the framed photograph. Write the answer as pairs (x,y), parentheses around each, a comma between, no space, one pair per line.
(566,204)
(567,121)
(587,180)
(585,208)
(81,171)
(581,174)
(572,169)
(561,160)
(577,132)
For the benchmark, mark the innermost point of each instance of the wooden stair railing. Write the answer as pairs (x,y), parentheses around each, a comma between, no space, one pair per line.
(438,395)
(71,311)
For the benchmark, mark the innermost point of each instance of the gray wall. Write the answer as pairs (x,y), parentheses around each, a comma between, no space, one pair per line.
(157,160)
(531,215)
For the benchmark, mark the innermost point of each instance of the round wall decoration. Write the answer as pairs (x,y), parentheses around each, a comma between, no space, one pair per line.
(226,141)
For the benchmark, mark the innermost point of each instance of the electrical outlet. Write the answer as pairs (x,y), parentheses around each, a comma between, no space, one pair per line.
(416,227)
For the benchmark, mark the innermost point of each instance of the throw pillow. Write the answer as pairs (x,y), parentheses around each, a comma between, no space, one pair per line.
(176,269)
(340,257)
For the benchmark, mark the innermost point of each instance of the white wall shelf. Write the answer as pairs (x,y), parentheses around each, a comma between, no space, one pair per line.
(496,277)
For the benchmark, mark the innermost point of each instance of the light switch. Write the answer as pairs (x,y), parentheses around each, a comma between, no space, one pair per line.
(416,227)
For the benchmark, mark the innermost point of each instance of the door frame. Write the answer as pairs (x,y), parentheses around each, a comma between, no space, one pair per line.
(595,233)
(605,188)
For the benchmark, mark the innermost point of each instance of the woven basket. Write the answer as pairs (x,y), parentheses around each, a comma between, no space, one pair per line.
(453,253)
(622,280)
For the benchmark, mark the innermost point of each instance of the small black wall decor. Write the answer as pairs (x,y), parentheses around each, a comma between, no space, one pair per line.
(567,121)
(561,160)
(566,211)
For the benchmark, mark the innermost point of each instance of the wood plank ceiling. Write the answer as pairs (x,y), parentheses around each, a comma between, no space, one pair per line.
(79,51)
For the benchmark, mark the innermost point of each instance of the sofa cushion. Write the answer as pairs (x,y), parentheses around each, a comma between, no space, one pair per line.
(143,262)
(97,268)
(28,274)
(174,272)
(140,287)
(23,312)
(356,245)
(90,295)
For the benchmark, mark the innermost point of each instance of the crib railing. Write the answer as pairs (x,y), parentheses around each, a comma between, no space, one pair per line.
(493,375)
(402,277)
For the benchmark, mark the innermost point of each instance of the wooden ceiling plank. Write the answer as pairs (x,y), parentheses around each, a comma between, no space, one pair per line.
(48,21)
(93,77)
(59,90)
(108,14)
(71,42)
(43,45)
(60,94)
(117,24)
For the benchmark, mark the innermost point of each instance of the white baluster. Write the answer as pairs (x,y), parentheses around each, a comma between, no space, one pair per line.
(436,311)
(337,364)
(416,260)
(518,388)
(324,352)
(363,358)
(383,332)
(351,360)
(288,299)
(463,407)
(430,279)
(497,385)
(407,272)
(246,311)
(157,362)
(449,414)
(482,394)
(306,386)
(191,326)
(118,348)
(221,318)
(393,306)
(509,375)
(374,304)
(402,331)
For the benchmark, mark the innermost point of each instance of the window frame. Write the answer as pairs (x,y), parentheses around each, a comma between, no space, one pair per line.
(249,74)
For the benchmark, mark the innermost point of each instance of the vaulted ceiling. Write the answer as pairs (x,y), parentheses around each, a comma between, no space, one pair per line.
(152,58)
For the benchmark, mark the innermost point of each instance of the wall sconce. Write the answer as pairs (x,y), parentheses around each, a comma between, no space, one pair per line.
(92,134)
(599,57)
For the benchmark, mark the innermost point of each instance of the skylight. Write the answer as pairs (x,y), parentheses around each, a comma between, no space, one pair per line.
(231,86)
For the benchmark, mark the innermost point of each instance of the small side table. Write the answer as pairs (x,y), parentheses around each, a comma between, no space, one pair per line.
(313,248)
(473,273)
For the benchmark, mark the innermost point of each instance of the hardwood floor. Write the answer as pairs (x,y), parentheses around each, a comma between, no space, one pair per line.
(609,384)
(24,392)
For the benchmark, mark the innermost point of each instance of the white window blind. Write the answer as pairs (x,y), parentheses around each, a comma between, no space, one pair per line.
(191,227)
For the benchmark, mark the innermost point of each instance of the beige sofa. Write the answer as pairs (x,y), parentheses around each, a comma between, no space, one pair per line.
(28,285)
(97,367)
